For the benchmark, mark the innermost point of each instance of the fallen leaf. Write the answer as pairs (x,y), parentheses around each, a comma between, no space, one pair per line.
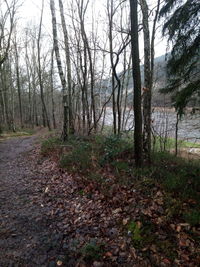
(125,221)
(166,261)
(108,254)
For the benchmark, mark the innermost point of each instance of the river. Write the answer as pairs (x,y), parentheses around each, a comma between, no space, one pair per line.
(164,121)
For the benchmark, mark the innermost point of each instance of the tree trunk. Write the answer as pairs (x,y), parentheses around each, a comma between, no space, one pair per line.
(44,109)
(138,144)
(81,12)
(110,18)
(68,61)
(65,132)
(147,82)
(52,91)
(18,84)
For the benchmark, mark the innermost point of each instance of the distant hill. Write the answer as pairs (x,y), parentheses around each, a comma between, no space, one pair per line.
(159,82)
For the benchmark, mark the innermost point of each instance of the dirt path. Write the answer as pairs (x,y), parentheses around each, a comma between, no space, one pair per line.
(25,237)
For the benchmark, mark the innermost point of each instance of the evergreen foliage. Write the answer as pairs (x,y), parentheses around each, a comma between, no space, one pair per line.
(182,25)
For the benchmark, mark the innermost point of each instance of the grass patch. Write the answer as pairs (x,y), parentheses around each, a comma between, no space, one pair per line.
(168,144)
(17,134)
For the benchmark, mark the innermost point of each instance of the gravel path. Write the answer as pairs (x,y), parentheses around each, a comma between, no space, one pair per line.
(25,236)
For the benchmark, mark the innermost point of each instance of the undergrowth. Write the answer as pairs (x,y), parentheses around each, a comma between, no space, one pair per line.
(105,167)
(49,145)
(105,160)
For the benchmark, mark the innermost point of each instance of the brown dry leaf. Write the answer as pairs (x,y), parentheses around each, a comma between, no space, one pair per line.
(166,261)
(125,221)
(59,263)
(153,248)
(118,210)
(133,252)
(147,212)
(173,226)
(108,254)
(139,224)
(159,201)
(185,257)
(183,243)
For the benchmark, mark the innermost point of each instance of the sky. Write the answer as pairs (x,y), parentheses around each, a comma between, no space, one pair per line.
(30,10)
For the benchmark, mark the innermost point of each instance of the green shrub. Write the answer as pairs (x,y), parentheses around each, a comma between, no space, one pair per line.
(114,146)
(192,217)
(49,145)
(79,159)
(172,182)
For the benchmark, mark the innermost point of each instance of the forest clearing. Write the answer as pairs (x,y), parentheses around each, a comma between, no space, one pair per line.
(99,133)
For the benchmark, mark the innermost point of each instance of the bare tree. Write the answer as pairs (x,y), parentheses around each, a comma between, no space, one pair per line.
(7,22)
(82,8)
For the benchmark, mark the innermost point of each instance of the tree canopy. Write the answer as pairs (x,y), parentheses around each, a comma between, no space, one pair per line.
(182,25)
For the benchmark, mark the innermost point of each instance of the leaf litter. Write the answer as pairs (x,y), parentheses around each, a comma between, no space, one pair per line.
(112,224)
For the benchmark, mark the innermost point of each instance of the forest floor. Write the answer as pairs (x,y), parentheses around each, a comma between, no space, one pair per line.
(52,216)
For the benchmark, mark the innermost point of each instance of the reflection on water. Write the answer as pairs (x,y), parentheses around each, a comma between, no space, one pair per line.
(164,121)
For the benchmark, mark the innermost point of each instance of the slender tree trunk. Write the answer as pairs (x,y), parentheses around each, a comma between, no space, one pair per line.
(18,84)
(147,82)
(138,144)
(81,11)
(65,132)
(44,109)
(110,17)
(52,91)
(3,97)
(68,61)
(148,74)
(176,135)
(4,86)
(29,91)
(126,93)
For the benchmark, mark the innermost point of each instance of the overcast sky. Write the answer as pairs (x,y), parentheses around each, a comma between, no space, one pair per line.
(30,10)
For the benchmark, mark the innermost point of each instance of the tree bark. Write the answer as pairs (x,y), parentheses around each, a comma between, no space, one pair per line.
(147,82)
(68,61)
(52,91)
(45,114)
(110,35)
(65,132)
(18,84)
(138,142)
